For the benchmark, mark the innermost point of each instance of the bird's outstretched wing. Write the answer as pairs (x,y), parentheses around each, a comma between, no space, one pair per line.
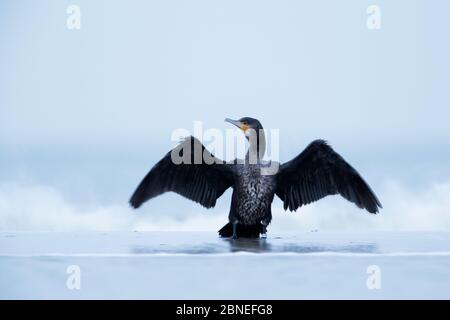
(203,178)
(319,171)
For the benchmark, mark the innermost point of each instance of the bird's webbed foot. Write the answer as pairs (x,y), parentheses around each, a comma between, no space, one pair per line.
(234,236)
(263,229)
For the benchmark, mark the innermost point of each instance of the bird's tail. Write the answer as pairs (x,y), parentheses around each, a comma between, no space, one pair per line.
(243,231)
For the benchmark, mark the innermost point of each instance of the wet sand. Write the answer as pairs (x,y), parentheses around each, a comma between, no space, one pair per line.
(187,265)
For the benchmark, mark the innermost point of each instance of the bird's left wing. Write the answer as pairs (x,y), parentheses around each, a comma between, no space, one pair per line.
(203,178)
(319,171)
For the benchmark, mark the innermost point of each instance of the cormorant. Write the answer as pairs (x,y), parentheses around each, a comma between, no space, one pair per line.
(316,172)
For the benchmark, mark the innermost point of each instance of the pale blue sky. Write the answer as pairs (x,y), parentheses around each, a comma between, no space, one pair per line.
(90,111)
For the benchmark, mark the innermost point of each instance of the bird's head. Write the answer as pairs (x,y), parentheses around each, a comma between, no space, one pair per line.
(247,125)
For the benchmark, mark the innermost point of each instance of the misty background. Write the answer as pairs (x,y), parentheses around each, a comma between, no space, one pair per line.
(84,114)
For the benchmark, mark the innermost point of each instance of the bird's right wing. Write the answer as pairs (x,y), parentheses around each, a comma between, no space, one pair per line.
(203,178)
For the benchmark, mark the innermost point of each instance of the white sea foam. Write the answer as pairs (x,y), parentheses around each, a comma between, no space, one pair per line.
(37,207)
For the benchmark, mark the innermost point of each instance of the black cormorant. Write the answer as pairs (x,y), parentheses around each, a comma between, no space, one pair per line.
(315,173)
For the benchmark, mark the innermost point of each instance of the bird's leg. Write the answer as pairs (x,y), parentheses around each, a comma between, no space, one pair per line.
(263,229)
(234,230)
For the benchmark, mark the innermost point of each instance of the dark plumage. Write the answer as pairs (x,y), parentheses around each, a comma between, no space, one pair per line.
(202,183)
(315,173)
(318,172)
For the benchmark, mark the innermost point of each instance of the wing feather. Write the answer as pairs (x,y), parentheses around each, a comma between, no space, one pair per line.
(200,182)
(318,172)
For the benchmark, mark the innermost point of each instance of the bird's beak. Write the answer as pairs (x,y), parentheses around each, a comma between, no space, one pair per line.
(236,123)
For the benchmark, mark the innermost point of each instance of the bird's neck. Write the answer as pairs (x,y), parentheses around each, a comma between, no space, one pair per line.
(257,148)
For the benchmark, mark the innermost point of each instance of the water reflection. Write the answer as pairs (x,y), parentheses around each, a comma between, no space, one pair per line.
(264,245)
(275,245)
(248,245)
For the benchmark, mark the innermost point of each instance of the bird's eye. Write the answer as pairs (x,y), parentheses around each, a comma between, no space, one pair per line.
(244,123)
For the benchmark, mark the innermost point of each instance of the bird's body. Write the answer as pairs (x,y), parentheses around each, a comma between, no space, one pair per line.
(252,195)
(315,173)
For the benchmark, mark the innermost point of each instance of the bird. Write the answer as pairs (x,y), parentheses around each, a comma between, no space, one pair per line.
(193,172)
